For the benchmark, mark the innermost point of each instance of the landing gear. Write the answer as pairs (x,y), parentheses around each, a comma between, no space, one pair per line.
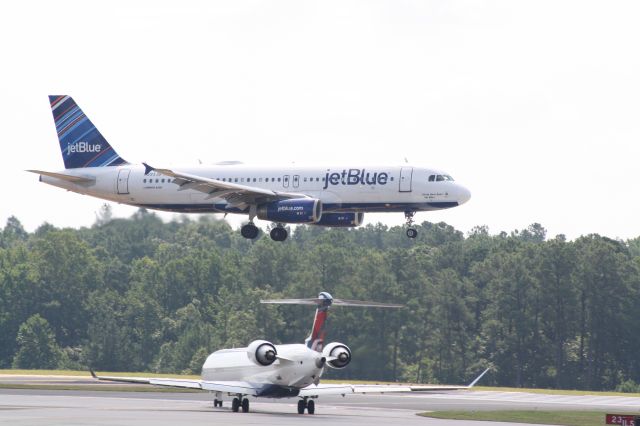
(238,403)
(279,233)
(217,403)
(249,231)
(411,232)
(308,405)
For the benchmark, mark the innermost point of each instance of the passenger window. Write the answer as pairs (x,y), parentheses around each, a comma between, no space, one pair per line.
(235,180)
(144,181)
(305,179)
(157,180)
(278,179)
(391,179)
(260,180)
(432,178)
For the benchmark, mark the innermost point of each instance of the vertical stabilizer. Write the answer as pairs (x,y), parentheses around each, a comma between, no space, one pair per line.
(81,143)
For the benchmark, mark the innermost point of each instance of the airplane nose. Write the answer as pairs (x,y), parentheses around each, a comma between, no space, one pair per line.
(463,195)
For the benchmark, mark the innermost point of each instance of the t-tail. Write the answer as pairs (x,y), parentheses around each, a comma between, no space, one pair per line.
(324,301)
(81,143)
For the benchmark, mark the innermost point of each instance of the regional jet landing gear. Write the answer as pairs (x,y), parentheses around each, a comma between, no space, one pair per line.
(411,231)
(307,404)
(279,233)
(238,403)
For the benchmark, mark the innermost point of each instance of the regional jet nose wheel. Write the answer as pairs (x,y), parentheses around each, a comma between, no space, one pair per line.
(412,233)
(249,231)
(278,233)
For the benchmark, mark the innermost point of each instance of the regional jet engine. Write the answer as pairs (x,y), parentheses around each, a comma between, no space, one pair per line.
(261,352)
(338,355)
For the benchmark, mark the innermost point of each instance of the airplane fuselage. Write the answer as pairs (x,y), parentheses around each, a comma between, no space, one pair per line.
(296,368)
(340,189)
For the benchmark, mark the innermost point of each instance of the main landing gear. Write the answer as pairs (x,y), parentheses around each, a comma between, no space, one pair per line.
(307,404)
(238,403)
(249,231)
(411,231)
(279,233)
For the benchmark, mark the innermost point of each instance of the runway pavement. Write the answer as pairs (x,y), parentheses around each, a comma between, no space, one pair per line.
(53,407)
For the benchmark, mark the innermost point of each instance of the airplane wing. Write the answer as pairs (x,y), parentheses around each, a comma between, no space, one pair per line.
(237,195)
(345,389)
(222,386)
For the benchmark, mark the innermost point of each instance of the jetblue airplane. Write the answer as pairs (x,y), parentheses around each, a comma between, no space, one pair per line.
(325,196)
(263,369)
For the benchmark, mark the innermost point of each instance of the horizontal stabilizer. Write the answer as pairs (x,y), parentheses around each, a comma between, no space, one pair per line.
(62,176)
(336,302)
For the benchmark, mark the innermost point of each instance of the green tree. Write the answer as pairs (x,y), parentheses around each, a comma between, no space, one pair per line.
(37,347)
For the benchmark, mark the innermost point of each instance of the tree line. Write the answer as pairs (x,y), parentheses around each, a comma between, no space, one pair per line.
(139,294)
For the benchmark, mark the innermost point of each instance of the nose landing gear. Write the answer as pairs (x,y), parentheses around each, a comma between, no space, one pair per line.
(411,231)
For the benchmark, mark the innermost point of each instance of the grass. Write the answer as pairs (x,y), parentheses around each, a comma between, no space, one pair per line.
(568,418)
(554,391)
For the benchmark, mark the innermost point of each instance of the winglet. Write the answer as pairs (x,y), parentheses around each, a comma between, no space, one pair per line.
(93,373)
(472,384)
(147,169)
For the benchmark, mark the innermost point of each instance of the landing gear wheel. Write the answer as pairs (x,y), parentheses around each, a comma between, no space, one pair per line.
(245,405)
(249,231)
(217,403)
(411,232)
(278,233)
(301,406)
(311,407)
(235,405)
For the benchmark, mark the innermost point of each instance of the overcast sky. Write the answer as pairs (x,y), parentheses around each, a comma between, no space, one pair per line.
(535,106)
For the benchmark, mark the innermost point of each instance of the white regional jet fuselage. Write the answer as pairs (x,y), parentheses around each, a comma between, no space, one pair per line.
(263,369)
(335,196)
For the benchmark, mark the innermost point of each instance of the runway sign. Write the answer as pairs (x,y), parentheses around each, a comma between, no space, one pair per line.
(620,419)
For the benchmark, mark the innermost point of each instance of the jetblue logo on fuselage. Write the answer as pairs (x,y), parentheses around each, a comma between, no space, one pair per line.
(81,147)
(355,177)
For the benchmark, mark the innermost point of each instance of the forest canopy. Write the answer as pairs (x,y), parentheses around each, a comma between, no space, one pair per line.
(139,294)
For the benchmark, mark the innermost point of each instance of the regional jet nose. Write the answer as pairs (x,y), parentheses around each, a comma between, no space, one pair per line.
(463,194)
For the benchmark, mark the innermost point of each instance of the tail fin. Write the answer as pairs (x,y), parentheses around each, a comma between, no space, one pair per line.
(81,143)
(324,300)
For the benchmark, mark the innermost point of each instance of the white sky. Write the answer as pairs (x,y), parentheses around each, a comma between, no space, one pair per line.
(535,106)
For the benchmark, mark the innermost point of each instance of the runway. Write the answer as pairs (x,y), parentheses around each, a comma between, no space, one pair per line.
(53,407)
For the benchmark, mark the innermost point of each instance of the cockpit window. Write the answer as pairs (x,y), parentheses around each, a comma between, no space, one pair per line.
(440,178)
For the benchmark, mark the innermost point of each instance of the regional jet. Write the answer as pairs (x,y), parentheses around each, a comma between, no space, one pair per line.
(332,196)
(264,369)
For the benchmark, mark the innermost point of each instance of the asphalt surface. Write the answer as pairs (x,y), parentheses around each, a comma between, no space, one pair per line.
(54,407)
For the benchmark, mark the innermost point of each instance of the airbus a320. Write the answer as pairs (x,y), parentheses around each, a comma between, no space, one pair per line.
(333,196)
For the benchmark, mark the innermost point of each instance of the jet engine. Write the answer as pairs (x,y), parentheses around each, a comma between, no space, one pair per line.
(261,352)
(338,355)
(297,210)
(341,220)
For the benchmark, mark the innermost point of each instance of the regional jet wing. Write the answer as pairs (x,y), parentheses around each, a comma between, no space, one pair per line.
(344,389)
(222,386)
(237,195)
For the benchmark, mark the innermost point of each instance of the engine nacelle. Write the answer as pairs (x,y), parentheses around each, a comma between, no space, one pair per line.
(338,355)
(341,220)
(297,210)
(261,352)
